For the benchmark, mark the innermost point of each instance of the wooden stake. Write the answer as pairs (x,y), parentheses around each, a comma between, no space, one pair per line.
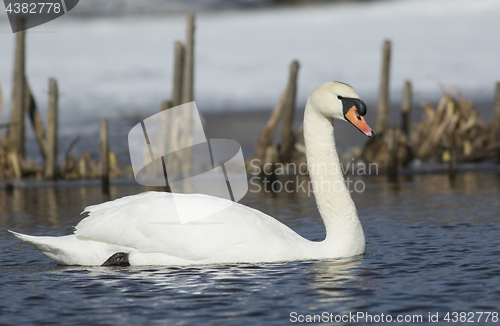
(495,127)
(383,95)
(36,120)
(104,152)
(165,105)
(178,74)
(406,108)
(188,91)
(52,130)
(16,165)
(188,88)
(288,138)
(392,143)
(16,128)
(82,167)
(267,135)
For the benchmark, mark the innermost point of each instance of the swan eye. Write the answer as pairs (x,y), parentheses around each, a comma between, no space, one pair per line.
(339,97)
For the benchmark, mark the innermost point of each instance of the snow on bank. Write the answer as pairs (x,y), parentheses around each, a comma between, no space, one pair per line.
(110,66)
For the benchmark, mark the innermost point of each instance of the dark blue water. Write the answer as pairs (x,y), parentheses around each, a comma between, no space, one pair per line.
(433,246)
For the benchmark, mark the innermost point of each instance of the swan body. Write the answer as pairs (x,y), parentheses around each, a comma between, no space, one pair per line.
(147,230)
(147,227)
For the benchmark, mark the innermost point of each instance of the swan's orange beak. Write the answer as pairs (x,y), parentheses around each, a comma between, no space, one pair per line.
(354,109)
(359,122)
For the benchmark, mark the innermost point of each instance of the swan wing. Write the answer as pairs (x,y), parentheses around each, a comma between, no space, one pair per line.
(149,223)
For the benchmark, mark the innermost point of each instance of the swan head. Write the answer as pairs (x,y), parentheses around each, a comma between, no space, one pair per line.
(339,101)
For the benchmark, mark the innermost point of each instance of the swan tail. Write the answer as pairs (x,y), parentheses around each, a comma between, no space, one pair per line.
(38,242)
(69,249)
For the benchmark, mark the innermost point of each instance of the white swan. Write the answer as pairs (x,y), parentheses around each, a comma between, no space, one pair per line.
(143,229)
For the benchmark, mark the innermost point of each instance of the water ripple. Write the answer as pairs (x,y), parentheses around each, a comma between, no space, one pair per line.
(430,248)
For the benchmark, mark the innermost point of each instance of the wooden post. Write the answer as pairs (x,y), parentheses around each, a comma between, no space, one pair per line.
(406,109)
(495,127)
(104,152)
(383,95)
(16,165)
(287,136)
(267,135)
(36,120)
(52,128)
(188,91)
(178,74)
(392,142)
(165,105)
(16,128)
(188,88)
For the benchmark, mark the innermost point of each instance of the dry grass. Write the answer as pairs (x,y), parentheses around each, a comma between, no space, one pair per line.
(452,128)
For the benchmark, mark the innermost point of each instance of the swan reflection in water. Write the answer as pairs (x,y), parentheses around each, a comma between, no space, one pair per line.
(329,282)
(337,280)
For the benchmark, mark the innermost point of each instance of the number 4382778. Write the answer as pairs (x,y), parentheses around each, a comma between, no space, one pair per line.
(471,317)
(34,8)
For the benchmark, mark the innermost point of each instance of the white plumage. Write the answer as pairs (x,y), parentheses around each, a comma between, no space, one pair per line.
(147,228)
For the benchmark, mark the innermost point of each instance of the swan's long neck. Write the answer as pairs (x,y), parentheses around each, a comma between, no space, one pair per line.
(343,228)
